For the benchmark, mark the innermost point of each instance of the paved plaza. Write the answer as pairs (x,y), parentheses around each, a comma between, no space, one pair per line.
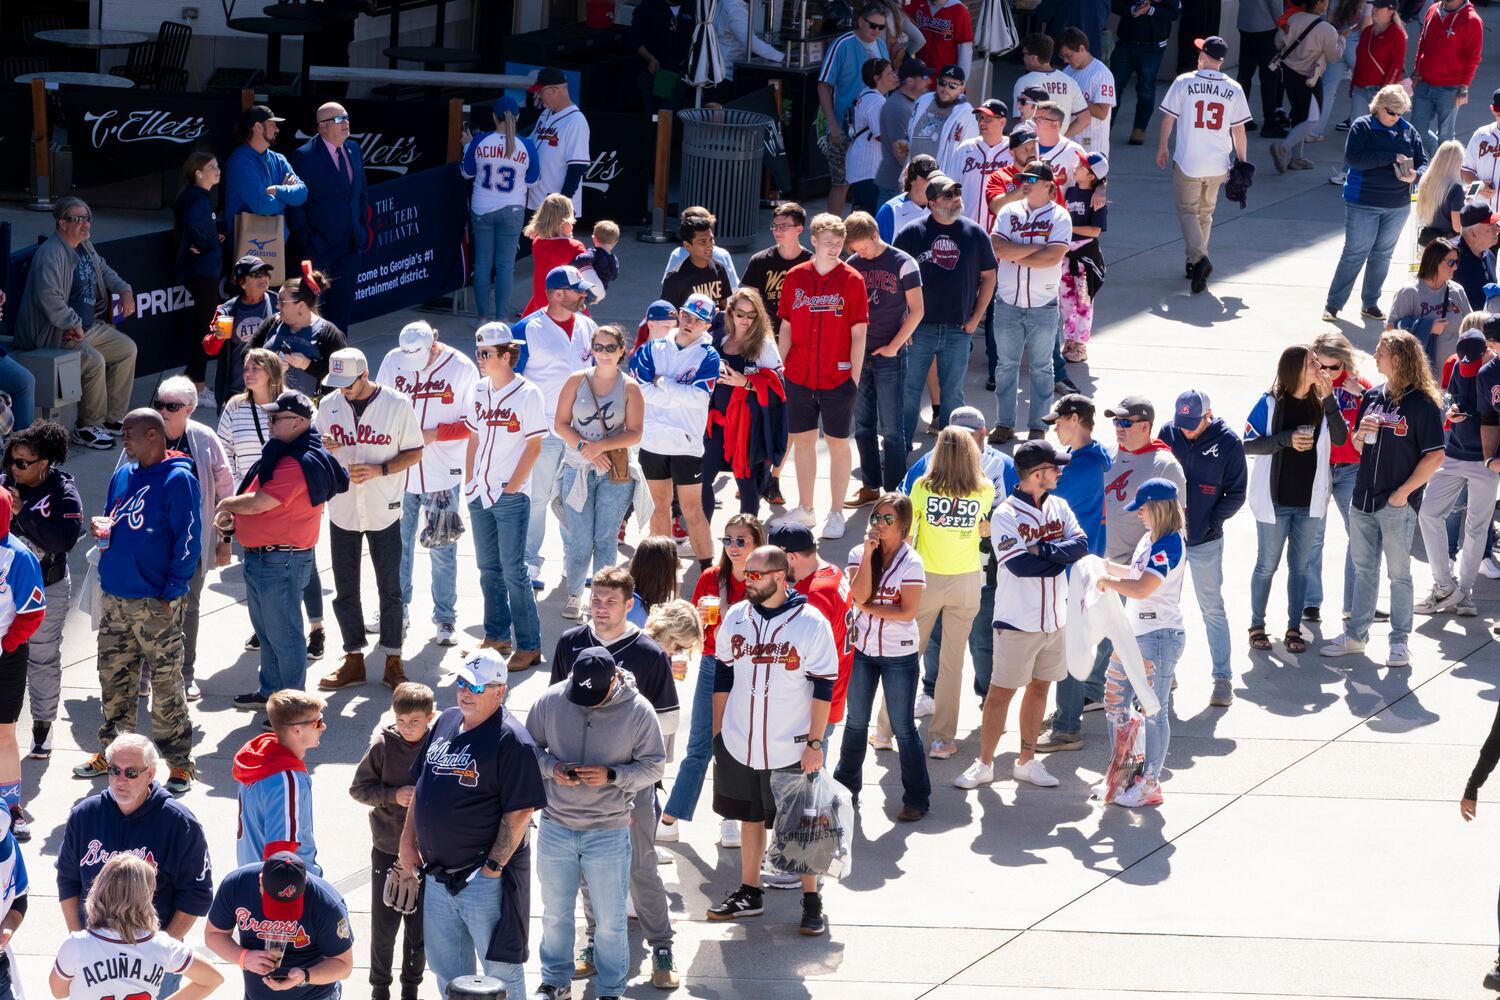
(1309,844)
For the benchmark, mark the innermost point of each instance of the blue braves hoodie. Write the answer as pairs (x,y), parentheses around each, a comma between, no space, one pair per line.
(154,543)
(1214,465)
(1082,486)
(161,831)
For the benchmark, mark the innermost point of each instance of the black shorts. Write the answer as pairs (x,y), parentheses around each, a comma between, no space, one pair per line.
(836,406)
(740,792)
(683,470)
(13,682)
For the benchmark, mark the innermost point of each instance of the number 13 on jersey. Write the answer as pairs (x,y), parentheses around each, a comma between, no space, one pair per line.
(1209,115)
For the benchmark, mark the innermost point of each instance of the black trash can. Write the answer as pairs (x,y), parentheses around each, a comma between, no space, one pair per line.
(722,151)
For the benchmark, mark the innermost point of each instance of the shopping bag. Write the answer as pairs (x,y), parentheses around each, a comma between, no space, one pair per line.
(262,236)
(814,832)
(441,523)
(1126,758)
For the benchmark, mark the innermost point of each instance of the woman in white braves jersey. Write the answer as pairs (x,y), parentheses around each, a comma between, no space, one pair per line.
(124,954)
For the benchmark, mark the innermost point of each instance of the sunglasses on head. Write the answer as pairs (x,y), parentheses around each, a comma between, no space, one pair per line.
(757,575)
(605,348)
(130,772)
(472,688)
(162,404)
(885,519)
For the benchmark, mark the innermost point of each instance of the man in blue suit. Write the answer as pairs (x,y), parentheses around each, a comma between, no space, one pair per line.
(330,226)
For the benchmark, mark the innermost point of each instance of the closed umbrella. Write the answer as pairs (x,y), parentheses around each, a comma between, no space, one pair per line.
(706,64)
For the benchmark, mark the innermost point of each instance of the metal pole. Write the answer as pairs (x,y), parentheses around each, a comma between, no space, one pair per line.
(658,231)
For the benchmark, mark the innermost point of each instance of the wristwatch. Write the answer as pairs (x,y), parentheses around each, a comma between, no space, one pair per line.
(609,774)
(491,865)
(815,744)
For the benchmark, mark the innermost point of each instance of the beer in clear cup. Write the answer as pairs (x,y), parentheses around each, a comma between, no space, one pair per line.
(708,610)
(224,326)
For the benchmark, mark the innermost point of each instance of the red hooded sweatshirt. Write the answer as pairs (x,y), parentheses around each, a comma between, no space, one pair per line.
(277,815)
(1450,46)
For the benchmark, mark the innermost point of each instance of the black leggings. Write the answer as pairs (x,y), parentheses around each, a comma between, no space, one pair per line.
(1256,51)
(205,293)
(715,463)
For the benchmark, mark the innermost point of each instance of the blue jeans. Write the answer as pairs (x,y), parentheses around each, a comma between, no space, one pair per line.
(948,343)
(897,675)
(1293,531)
(20,385)
(495,237)
(1072,693)
(443,563)
(601,858)
(274,582)
(170,983)
(693,766)
(312,594)
(508,598)
(1162,649)
(1334,81)
(1143,62)
(1343,477)
(1387,532)
(1206,560)
(1370,235)
(1032,332)
(543,486)
(878,430)
(592,534)
(457,929)
(981,646)
(1434,114)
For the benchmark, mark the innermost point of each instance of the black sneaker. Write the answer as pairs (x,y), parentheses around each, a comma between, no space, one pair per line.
(742,902)
(252,643)
(1089,705)
(989,384)
(114,429)
(1372,312)
(1382,616)
(814,923)
(1343,126)
(1492,978)
(315,641)
(1251,126)
(253,700)
(1273,132)
(41,741)
(1312,614)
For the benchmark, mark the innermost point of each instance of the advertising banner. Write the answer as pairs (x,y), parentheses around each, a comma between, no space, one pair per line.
(117,133)
(416,248)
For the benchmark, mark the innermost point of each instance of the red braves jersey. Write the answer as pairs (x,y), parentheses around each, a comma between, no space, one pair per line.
(1003,181)
(823,310)
(827,590)
(945,30)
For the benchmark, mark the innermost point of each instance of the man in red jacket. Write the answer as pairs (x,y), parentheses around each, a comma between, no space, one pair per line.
(1448,53)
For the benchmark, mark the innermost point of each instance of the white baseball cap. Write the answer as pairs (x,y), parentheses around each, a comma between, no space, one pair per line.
(481,666)
(415,345)
(345,366)
(493,334)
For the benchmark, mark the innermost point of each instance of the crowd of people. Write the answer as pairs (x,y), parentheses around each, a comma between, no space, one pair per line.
(964,216)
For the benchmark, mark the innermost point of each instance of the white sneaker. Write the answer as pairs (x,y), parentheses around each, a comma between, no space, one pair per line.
(1436,601)
(1142,793)
(664,856)
(573,610)
(729,833)
(979,773)
(924,705)
(1397,656)
(1034,772)
(1343,645)
(942,749)
(804,516)
(833,525)
(667,833)
(881,742)
(206,398)
(1338,177)
(1490,568)
(444,636)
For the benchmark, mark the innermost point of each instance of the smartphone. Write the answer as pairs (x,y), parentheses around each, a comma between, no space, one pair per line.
(280,975)
(571,770)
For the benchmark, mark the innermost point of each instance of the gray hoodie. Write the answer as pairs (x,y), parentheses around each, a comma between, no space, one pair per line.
(622,733)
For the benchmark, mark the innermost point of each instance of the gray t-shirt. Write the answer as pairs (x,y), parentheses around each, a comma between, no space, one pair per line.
(887,280)
(1421,300)
(929,128)
(894,117)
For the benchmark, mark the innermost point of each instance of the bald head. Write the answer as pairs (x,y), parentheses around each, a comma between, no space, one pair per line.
(333,123)
(144,437)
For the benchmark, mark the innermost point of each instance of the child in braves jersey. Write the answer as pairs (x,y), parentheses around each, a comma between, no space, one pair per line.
(1152,588)
(1083,270)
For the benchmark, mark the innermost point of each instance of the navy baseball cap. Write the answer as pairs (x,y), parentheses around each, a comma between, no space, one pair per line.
(1153,489)
(1022,135)
(548,76)
(1213,46)
(659,310)
(789,536)
(1032,455)
(1190,408)
(567,276)
(1476,212)
(912,67)
(1494,98)
(993,108)
(505,106)
(1472,350)
(588,685)
(952,72)
(290,402)
(283,883)
(248,265)
(1073,404)
(1036,95)
(1491,329)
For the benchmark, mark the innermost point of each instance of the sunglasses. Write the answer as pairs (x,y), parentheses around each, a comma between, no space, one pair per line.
(1336,366)
(877,25)
(486,355)
(885,519)
(313,722)
(1450,261)
(605,348)
(950,85)
(472,688)
(130,772)
(162,404)
(335,120)
(78,220)
(730,542)
(1124,423)
(741,314)
(286,416)
(757,575)
(22,463)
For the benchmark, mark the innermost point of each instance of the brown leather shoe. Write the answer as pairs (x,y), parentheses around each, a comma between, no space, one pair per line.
(351,673)
(909,815)
(501,646)
(523,659)
(862,496)
(393,673)
(1137,137)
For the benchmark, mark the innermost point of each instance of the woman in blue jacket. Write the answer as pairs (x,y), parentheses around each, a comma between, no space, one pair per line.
(1384,158)
(199,259)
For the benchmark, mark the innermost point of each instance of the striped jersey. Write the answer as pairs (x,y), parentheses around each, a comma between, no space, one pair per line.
(98,965)
(437,393)
(1030,603)
(506,418)
(970,163)
(386,427)
(1015,283)
(562,140)
(881,636)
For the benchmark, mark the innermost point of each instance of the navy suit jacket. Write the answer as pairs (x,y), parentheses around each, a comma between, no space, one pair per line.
(331,223)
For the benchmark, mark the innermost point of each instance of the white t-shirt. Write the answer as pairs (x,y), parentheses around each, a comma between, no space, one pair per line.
(562,139)
(1167,558)
(970,163)
(774,661)
(505,420)
(881,636)
(1207,105)
(1030,603)
(99,965)
(387,427)
(1483,157)
(1063,88)
(437,394)
(1030,287)
(1098,86)
(1063,159)
(862,157)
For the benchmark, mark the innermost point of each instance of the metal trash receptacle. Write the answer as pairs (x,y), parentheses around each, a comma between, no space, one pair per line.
(722,151)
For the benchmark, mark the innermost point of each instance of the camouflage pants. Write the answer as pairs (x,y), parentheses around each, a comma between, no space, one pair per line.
(132,632)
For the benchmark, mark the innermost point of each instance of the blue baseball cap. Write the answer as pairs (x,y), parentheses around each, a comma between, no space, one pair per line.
(505,106)
(567,276)
(790,536)
(1472,350)
(1153,489)
(659,310)
(1190,408)
(701,306)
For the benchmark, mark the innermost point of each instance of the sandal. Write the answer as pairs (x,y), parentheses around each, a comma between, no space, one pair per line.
(1294,641)
(772,493)
(1259,639)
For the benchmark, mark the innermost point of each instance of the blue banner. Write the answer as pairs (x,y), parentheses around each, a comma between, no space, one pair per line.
(415,249)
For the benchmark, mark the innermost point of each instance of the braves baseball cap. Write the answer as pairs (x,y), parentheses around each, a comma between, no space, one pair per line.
(258,113)
(1476,212)
(1189,409)
(505,106)
(912,67)
(1036,170)
(1098,164)
(993,108)
(291,402)
(1491,330)
(1133,407)
(593,671)
(1021,136)
(1213,46)
(1072,405)
(1036,95)
(480,666)
(970,418)
(415,344)
(1391,4)
(345,366)
(789,536)
(283,884)
(1472,351)
(567,276)
(952,72)
(921,166)
(1032,455)
(938,184)
(659,310)
(699,306)
(548,76)
(495,334)
(248,265)
(1153,489)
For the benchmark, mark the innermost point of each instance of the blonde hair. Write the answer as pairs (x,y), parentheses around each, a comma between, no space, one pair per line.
(548,220)
(825,222)
(1473,321)
(954,470)
(675,622)
(1438,180)
(1392,98)
(1165,517)
(606,232)
(1409,368)
(760,326)
(1332,344)
(289,705)
(275,373)
(120,899)
(860,226)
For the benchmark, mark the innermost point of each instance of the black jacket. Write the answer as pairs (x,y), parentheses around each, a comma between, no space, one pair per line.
(49,520)
(1148,29)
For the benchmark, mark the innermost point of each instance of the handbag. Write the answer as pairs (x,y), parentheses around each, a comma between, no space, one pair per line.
(262,236)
